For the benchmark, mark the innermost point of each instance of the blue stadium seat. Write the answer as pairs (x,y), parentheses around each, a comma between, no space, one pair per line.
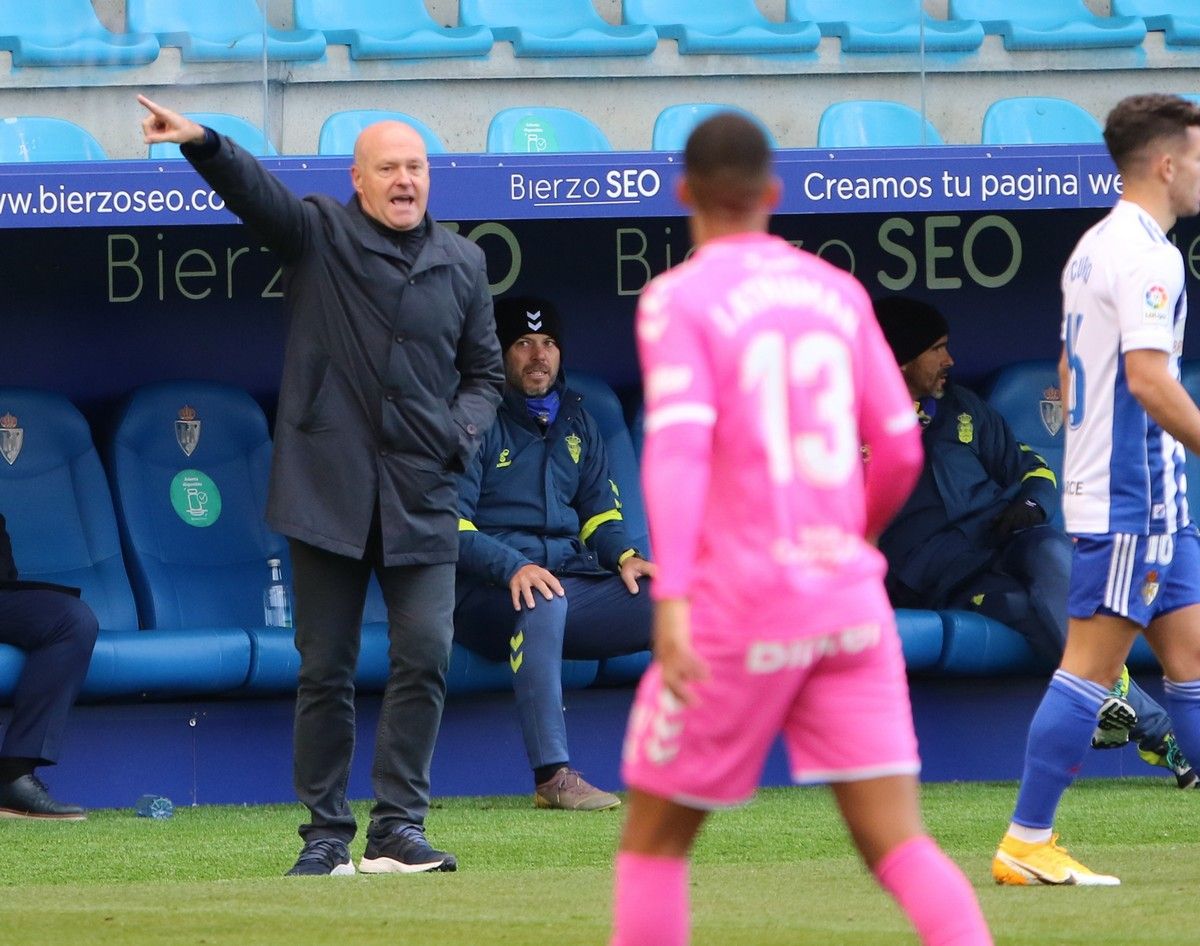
(220,31)
(1050,24)
(921,635)
(55,497)
(390,29)
(543,130)
(1178,19)
(977,646)
(675,123)
(886,26)
(867,124)
(1038,119)
(246,134)
(35,138)
(604,406)
(1027,396)
(557,28)
(704,27)
(189,462)
(67,33)
(341,130)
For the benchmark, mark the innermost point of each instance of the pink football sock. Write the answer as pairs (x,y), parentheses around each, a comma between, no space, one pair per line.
(650,901)
(934,893)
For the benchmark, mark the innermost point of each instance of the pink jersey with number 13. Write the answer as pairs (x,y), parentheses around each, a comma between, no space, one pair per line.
(765,373)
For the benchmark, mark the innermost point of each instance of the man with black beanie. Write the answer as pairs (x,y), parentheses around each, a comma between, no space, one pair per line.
(546,569)
(974,532)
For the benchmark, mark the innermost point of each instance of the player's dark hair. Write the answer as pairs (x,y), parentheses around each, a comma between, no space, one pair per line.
(1141,120)
(728,163)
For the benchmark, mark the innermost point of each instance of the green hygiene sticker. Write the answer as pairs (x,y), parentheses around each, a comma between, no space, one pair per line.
(196,498)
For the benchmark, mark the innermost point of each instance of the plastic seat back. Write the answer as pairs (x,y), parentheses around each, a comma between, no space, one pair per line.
(543,130)
(1178,19)
(1039,120)
(865,124)
(716,26)
(246,134)
(37,138)
(557,28)
(390,29)
(189,462)
(676,122)
(55,498)
(1027,396)
(1050,24)
(67,33)
(341,129)
(875,26)
(220,30)
(602,404)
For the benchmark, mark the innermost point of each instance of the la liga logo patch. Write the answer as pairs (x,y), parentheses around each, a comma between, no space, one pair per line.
(1156,297)
(1156,302)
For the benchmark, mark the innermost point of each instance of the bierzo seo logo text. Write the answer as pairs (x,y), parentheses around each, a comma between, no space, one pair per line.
(616,186)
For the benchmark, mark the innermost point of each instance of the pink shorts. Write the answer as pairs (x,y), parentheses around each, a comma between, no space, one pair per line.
(840,701)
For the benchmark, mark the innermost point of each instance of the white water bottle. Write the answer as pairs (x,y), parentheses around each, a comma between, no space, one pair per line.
(277,602)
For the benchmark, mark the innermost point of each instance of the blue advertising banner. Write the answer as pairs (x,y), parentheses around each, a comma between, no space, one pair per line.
(583,186)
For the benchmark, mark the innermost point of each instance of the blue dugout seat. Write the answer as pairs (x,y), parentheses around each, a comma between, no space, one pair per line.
(246,134)
(543,130)
(37,138)
(704,27)
(675,123)
(1039,119)
(390,29)
(873,124)
(559,28)
(67,33)
(886,26)
(1178,19)
(1027,396)
(220,31)
(341,129)
(55,497)
(1050,24)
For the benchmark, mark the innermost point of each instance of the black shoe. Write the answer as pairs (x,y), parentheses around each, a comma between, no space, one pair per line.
(404,850)
(27,798)
(323,857)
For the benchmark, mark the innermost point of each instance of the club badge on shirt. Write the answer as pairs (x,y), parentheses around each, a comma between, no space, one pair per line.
(966,428)
(574,446)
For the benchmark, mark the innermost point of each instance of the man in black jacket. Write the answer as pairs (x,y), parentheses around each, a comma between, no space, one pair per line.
(57,631)
(391,375)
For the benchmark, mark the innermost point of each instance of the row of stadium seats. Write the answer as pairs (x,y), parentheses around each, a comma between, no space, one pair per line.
(67,32)
(850,124)
(165,536)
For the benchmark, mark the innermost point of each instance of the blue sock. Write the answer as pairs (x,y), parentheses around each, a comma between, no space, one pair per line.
(1183,703)
(1059,737)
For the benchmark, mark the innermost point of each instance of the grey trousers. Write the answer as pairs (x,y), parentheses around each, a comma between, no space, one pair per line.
(330,591)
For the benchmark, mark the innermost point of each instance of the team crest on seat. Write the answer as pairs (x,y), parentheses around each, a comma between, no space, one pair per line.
(1051,410)
(187,430)
(12,438)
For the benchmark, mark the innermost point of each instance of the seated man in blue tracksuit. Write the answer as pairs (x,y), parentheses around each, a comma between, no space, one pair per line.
(546,569)
(973,534)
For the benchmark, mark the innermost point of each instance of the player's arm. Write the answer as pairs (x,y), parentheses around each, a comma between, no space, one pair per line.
(1148,375)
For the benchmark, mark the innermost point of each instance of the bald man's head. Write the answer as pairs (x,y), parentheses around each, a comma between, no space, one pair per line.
(391,174)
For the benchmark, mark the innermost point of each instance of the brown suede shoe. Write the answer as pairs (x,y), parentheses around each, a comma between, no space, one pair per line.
(566,790)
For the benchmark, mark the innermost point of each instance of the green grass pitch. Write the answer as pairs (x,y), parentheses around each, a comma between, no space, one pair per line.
(780,870)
